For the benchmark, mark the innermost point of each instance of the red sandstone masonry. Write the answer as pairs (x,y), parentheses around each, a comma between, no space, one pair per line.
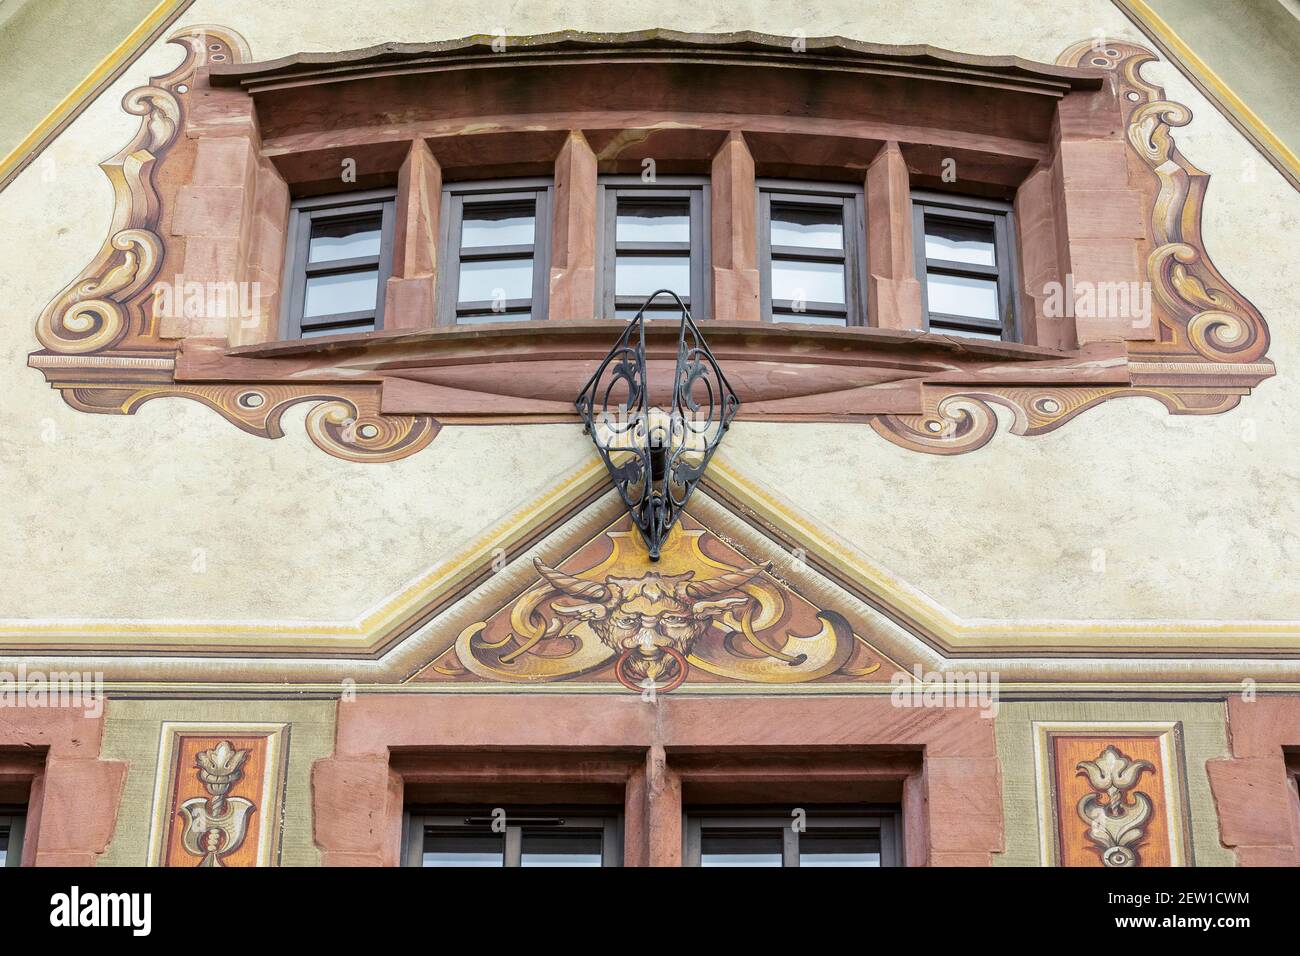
(64,828)
(1259,814)
(952,805)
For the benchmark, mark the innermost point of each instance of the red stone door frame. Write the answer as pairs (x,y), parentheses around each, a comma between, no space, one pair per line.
(941,762)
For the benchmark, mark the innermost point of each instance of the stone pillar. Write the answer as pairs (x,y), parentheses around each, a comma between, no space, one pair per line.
(573,232)
(893,289)
(734,200)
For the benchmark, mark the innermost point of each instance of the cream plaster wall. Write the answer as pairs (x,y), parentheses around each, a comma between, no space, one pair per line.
(110,517)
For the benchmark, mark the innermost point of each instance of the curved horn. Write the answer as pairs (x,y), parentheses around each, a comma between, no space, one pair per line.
(568,584)
(724,583)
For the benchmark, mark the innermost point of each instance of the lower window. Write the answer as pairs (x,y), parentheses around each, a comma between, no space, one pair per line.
(12,823)
(805,837)
(522,836)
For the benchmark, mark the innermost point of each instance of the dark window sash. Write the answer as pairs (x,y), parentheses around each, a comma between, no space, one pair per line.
(303,215)
(584,820)
(493,194)
(849,200)
(938,207)
(884,822)
(14,824)
(693,189)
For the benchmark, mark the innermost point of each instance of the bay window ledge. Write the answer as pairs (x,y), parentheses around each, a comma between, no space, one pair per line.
(531,371)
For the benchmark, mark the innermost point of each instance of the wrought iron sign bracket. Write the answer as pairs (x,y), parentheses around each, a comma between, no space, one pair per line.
(656,457)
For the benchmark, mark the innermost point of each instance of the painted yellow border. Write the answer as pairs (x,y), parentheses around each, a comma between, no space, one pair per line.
(273,782)
(952,635)
(1171,760)
(1213,87)
(105,72)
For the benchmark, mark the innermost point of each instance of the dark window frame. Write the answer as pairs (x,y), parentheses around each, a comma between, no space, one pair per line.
(852,203)
(303,214)
(490,192)
(696,190)
(470,819)
(969,209)
(14,821)
(887,820)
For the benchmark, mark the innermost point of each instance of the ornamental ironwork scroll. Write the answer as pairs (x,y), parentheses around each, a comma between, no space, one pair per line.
(656,458)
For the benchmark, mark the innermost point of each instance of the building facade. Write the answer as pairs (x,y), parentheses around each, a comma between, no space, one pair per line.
(311,561)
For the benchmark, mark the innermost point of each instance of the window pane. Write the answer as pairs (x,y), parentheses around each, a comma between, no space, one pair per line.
(968,333)
(561,848)
(674,314)
(839,848)
(346,292)
(959,242)
(651,221)
(487,318)
(512,224)
(642,275)
(811,227)
(351,328)
(493,280)
(963,295)
(443,848)
(808,281)
(809,319)
(334,239)
(740,847)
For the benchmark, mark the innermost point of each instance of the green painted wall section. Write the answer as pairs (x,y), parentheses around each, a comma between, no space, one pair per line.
(47,47)
(1204,738)
(1254,47)
(132,733)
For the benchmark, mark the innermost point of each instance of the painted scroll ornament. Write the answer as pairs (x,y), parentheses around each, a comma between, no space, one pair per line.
(216,825)
(1116,825)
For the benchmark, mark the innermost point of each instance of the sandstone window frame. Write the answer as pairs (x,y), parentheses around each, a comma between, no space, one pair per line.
(452,255)
(558,818)
(696,190)
(885,820)
(304,214)
(850,198)
(997,214)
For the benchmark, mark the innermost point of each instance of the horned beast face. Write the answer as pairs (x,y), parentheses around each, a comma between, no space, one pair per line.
(652,613)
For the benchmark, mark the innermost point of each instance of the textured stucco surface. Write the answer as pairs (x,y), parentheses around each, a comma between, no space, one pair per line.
(113,517)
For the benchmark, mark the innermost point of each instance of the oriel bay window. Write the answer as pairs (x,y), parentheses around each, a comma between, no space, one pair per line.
(338,262)
(963,257)
(804,837)
(654,236)
(495,252)
(811,240)
(506,837)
